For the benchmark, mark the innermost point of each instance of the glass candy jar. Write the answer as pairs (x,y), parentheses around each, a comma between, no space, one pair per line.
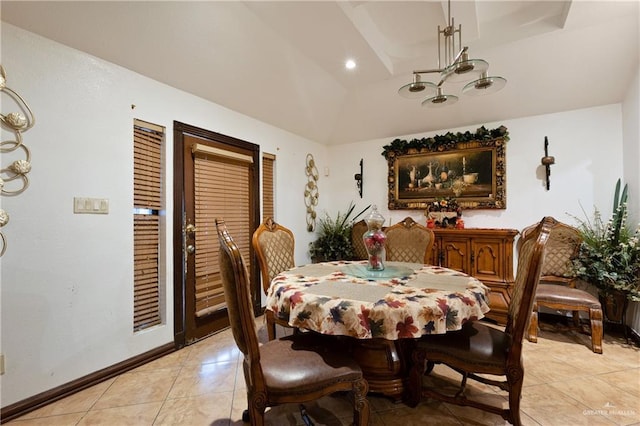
(374,240)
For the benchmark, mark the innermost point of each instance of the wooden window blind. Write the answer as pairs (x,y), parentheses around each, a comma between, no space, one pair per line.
(147,203)
(268,188)
(222,190)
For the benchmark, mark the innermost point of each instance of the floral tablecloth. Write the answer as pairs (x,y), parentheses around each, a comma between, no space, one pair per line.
(334,298)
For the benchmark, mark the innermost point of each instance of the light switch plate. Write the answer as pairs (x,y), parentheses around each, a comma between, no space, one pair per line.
(84,205)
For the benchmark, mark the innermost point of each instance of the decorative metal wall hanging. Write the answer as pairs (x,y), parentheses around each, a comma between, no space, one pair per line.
(13,178)
(547,161)
(359,177)
(311,192)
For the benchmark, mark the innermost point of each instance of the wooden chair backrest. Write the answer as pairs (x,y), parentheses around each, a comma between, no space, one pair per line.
(274,246)
(564,242)
(530,260)
(357,231)
(408,241)
(237,294)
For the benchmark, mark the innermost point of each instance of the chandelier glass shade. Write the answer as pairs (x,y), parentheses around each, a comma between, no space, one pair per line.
(484,85)
(417,88)
(439,100)
(464,69)
(454,66)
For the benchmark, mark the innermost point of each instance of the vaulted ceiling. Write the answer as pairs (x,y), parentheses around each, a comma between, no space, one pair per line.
(283,62)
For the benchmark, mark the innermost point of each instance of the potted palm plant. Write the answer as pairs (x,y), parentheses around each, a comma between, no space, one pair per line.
(334,236)
(609,257)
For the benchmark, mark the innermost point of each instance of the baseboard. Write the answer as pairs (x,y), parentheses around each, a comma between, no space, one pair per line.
(25,406)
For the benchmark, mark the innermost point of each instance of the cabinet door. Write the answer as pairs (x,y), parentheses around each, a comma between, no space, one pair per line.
(455,254)
(487,259)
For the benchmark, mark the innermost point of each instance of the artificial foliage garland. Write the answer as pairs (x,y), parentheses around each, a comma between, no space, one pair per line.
(444,142)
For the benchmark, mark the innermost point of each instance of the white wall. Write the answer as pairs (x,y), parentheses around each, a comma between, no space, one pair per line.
(587,146)
(67,279)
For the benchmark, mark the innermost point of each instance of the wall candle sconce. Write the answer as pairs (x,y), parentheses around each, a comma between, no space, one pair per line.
(358,178)
(547,161)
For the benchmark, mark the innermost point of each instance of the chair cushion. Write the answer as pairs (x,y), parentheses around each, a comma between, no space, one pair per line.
(566,295)
(304,362)
(482,345)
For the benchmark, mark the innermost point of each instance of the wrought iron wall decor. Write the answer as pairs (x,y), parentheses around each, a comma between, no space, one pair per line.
(359,178)
(311,192)
(470,167)
(547,161)
(13,178)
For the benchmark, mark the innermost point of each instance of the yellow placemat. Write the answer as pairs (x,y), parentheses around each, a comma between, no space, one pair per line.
(450,283)
(314,270)
(346,290)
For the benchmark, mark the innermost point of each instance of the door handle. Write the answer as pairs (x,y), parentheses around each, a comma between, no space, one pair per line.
(190,229)
(191,249)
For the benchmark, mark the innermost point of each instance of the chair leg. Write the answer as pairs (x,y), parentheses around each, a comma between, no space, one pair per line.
(595,316)
(256,412)
(515,389)
(271,330)
(533,324)
(576,319)
(361,409)
(271,326)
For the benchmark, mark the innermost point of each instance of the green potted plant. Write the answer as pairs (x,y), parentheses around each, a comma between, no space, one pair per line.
(609,255)
(334,237)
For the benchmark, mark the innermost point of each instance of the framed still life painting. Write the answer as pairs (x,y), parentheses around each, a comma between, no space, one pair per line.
(473,172)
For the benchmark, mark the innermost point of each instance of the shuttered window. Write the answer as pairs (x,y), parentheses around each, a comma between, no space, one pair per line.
(268,188)
(147,204)
(222,190)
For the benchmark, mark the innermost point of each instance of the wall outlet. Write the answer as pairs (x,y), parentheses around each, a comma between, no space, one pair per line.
(1,364)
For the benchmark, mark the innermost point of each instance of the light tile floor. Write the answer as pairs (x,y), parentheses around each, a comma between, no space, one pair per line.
(202,384)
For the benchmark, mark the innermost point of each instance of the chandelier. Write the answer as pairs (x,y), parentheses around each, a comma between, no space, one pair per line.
(454,66)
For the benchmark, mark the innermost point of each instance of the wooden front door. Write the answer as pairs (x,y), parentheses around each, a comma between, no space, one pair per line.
(216,176)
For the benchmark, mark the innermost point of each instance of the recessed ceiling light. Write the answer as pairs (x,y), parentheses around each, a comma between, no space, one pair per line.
(350,64)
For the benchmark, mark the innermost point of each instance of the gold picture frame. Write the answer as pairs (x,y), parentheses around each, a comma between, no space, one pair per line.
(471,171)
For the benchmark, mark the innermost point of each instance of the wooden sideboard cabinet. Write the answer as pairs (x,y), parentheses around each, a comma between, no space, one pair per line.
(486,254)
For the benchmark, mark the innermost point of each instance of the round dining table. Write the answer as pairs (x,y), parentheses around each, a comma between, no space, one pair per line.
(383,312)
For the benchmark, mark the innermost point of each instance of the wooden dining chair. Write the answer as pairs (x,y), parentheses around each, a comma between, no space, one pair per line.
(274,246)
(557,289)
(408,241)
(295,369)
(480,349)
(357,231)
